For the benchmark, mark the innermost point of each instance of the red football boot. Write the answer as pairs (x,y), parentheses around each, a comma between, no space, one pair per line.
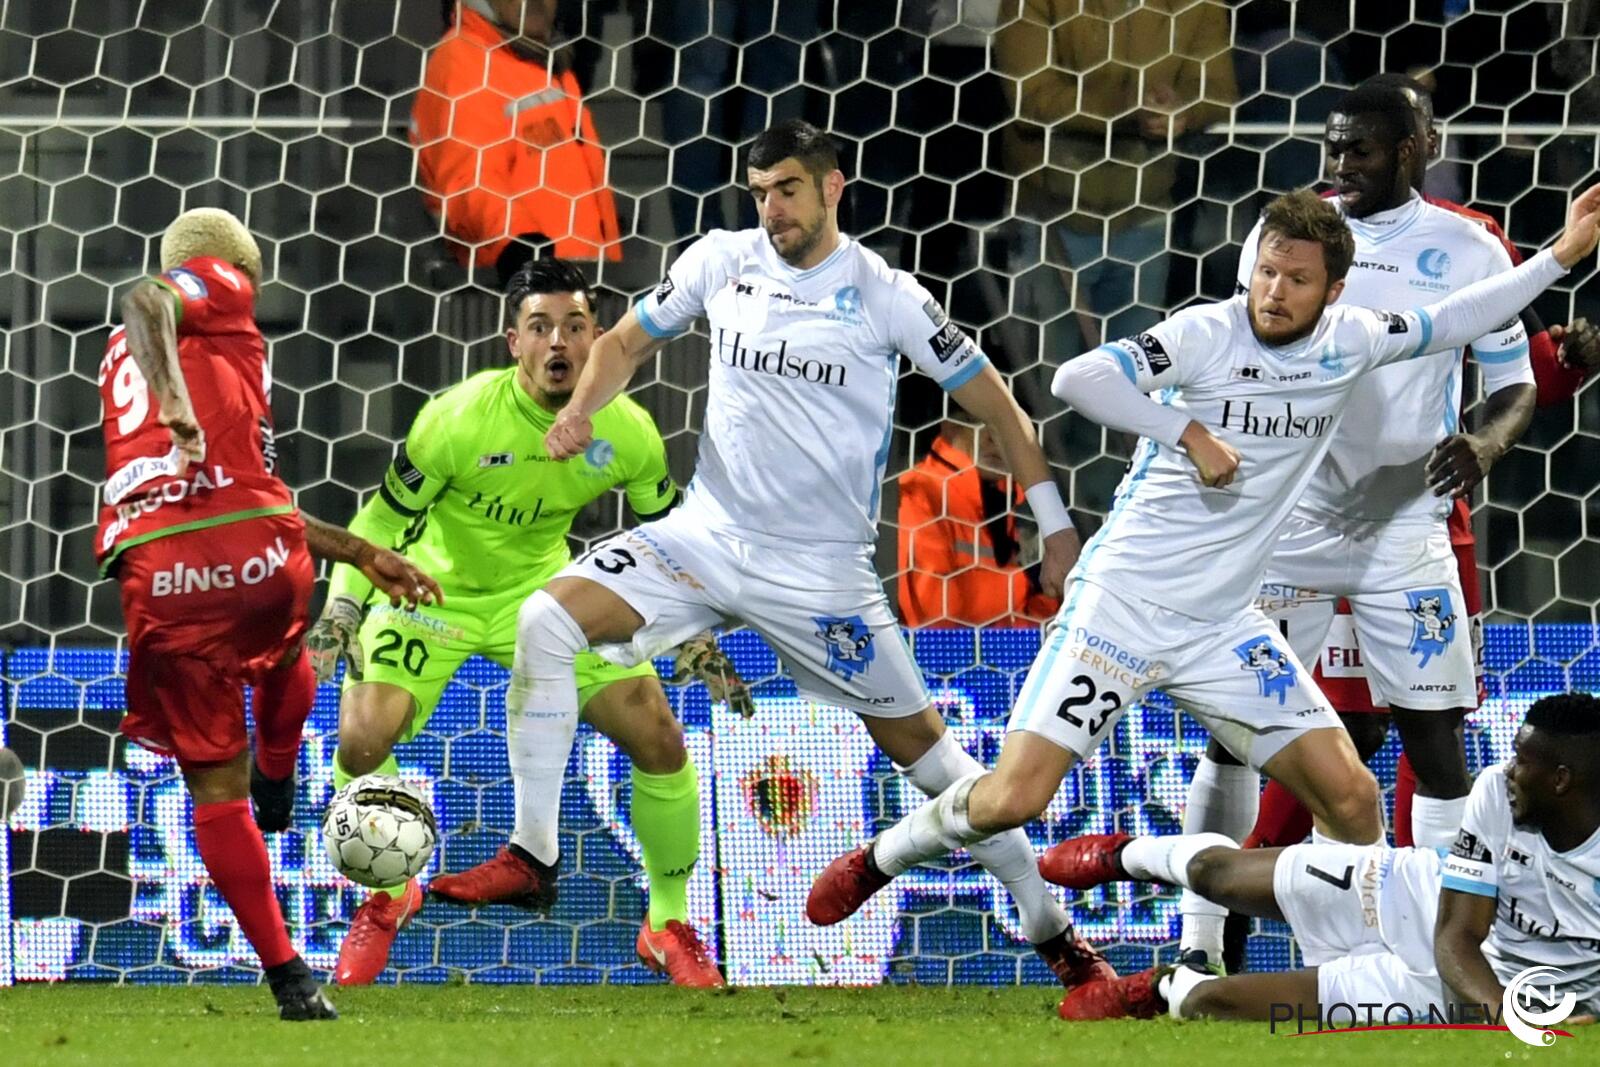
(508,878)
(1085,862)
(1074,961)
(1133,997)
(365,952)
(678,953)
(843,886)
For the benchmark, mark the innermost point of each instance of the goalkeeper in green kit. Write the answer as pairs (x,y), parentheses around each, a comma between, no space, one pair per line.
(473,497)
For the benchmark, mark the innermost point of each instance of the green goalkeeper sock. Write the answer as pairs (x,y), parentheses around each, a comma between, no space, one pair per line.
(666,819)
(342,778)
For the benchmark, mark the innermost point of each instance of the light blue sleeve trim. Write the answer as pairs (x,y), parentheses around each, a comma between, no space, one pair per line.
(965,374)
(649,324)
(1124,361)
(1505,355)
(1463,885)
(1426,321)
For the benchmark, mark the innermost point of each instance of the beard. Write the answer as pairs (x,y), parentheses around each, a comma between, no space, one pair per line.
(1287,338)
(804,246)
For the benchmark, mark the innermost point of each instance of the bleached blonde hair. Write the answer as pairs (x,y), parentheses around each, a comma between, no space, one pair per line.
(210,231)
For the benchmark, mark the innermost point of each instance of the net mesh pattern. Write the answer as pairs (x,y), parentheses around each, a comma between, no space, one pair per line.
(969,147)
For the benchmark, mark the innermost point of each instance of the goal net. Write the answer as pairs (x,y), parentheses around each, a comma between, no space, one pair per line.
(294,115)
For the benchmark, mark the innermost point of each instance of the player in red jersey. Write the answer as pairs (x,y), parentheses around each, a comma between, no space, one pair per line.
(1562,359)
(212,558)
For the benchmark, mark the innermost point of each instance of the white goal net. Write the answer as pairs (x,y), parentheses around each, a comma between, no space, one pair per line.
(1032,195)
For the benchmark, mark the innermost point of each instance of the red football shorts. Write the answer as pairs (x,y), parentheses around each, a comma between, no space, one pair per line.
(1350,693)
(209,612)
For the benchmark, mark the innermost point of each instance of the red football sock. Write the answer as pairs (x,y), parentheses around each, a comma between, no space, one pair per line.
(1405,787)
(282,704)
(235,856)
(1281,822)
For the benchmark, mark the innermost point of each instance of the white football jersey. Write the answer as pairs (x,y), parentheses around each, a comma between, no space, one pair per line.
(1548,911)
(804,365)
(1202,551)
(1414,255)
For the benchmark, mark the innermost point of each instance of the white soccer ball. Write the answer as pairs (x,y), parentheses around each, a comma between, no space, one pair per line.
(379,832)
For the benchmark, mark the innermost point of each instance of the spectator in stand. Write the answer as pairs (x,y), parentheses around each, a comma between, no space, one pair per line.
(960,552)
(507,154)
(1102,89)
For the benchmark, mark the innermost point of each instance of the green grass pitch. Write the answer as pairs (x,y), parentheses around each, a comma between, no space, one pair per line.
(485,1026)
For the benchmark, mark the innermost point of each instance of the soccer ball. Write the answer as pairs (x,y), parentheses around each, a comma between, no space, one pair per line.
(379,831)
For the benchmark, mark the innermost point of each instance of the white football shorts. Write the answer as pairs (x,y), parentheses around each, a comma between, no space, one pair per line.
(1363,916)
(1404,589)
(1102,653)
(826,616)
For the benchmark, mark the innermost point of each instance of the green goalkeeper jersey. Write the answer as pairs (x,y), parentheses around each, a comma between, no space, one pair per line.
(473,498)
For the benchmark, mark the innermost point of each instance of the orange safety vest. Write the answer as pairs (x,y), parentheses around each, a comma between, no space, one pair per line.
(504,148)
(948,572)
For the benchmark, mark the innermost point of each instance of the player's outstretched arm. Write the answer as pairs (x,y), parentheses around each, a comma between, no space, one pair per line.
(616,354)
(1577,242)
(152,332)
(389,572)
(1458,934)
(336,634)
(1472,312)
(987,398)
(1096,386)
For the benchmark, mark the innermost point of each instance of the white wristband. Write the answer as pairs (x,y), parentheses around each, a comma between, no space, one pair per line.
(1048,510)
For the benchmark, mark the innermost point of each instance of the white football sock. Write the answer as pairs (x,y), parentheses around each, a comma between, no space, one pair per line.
(542,719)
(938,827)
(1435,821)
(1009,856)
(1175,988)
(1223,799)
(1166,859)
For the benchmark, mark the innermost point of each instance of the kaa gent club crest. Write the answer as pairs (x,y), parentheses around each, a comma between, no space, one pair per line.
(848,641)
(1434,622)
(1274,671)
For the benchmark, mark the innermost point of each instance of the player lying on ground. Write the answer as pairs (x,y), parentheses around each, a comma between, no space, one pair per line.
(211,556)
(1519,888)
(778,525)
(1372,526)
(473,497)
(1252,389)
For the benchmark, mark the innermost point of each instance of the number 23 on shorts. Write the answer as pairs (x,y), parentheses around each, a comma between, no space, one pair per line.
(1072,704)
(1091,707)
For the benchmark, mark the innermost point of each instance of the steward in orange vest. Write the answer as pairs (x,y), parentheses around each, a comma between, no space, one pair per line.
(506,149)
(958,541)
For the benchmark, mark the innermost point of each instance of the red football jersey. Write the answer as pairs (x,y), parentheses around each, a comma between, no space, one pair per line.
(224,363)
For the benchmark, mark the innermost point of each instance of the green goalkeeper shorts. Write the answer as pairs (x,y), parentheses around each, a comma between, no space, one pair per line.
(421,650)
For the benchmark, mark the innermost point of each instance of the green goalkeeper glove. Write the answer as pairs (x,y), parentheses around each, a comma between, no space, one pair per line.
(335,637)
(700,658)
